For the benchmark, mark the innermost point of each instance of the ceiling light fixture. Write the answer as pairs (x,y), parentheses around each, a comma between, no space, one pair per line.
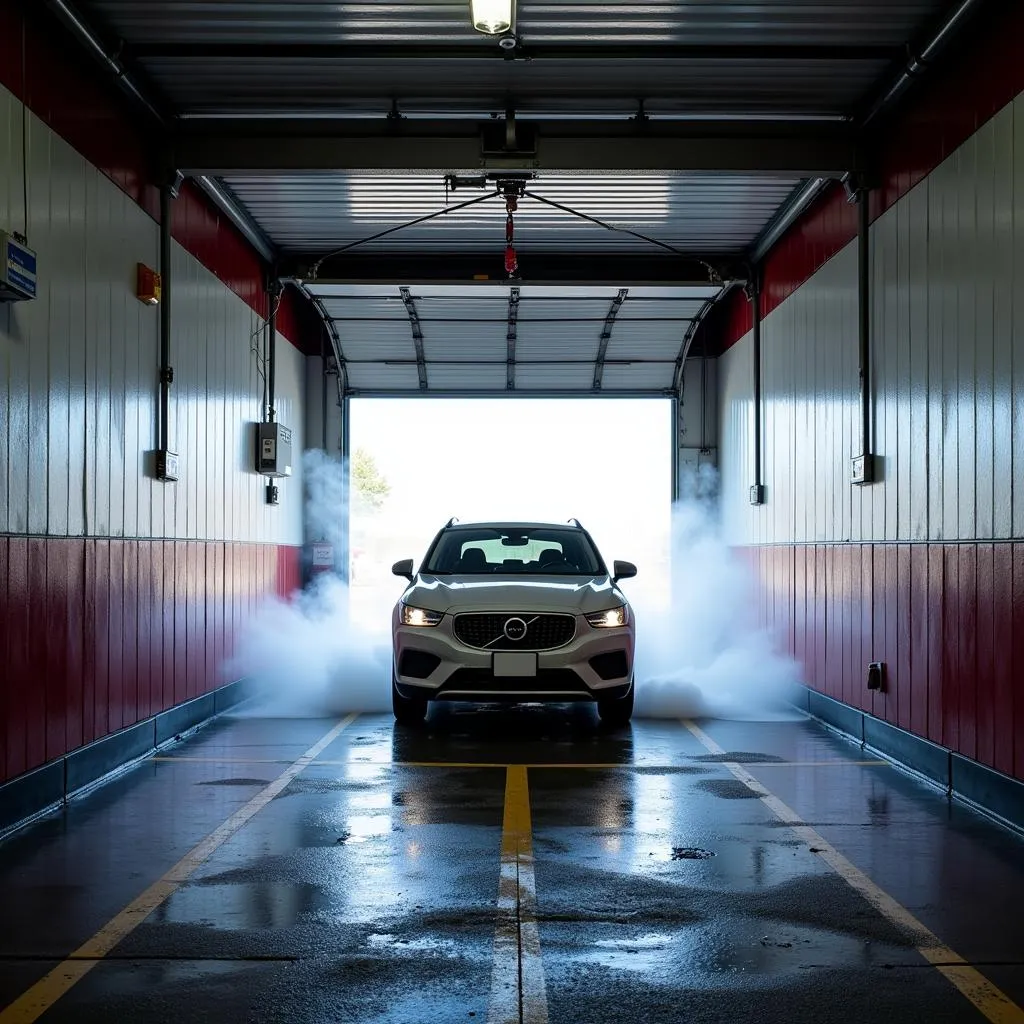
(493,17)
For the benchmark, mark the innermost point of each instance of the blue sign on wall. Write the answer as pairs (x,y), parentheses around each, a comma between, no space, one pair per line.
(17,269)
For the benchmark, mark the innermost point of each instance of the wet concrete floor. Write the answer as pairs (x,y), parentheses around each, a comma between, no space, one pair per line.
(732,871)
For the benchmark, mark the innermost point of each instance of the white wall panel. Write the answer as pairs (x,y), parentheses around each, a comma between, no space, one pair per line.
(947,371)
(78,371)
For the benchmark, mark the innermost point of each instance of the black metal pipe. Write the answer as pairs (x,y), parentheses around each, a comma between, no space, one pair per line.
(166,374)
(275,293)
(74,22)
(323,391)
(864,315)
(953,23)
(755,301)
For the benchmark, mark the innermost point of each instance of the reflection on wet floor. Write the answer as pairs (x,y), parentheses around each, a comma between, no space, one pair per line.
(368,888)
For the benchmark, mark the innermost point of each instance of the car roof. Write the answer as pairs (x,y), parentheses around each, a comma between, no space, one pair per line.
(513,526)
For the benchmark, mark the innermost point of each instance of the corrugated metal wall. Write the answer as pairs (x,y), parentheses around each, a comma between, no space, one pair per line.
(118,594)
(925,569)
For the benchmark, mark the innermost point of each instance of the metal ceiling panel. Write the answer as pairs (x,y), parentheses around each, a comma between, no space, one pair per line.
(481,376)
(381,377)
(554,342)
(638,377)
(694,212)
(554,312)
(469,306)
(660,309)
(647,341)
(465,340)
(555,377)
(366,309)
(468,86)
(827,22)
(376,339)
(553,291)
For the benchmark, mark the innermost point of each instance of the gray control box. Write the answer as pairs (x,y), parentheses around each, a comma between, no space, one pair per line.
(273,449)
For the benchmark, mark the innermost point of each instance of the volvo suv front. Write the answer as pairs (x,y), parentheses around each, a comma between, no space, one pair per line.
(520,612)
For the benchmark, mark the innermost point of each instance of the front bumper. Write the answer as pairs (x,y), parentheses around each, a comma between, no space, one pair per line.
(464,673)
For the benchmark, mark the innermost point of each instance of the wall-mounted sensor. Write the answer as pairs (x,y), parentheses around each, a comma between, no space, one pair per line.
(876,675)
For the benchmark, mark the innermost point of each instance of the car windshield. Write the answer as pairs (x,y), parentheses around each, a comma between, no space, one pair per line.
(513,550)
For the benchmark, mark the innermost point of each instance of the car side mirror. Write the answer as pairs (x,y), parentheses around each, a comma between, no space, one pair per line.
(623,571)
(404,568)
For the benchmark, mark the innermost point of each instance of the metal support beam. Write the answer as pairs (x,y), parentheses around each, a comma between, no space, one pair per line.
(800,200)
(563,268)
(417,335)
(606,336)
(126,78)
(864,466)
(332,332)
(754,294)
(220,147)
(691,333)
(202,51)
(235,212)
(510,336)
(918,59)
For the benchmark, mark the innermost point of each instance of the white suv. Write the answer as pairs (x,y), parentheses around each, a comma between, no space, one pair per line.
(520,612)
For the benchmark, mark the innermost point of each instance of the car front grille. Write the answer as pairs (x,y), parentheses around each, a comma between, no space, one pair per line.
(488,631)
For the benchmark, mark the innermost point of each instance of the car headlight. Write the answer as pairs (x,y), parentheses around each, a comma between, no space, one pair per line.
(609,619)
(412,616)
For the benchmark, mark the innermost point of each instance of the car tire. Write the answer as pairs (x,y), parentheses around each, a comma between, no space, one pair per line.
(408,710)
(617,712)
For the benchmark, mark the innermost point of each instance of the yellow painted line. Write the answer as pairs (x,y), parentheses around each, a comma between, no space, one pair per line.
(518,991)
(33,1003)
(994,1004)
(603,765)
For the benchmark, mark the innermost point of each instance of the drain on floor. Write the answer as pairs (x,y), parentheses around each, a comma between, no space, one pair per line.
(690,853)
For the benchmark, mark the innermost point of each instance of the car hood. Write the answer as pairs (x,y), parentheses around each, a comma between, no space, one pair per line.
(514,594)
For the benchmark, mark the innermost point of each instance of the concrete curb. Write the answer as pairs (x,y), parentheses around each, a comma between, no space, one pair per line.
(37,792)
(997,795)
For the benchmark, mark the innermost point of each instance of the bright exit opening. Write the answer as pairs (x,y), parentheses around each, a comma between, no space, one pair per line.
(418,462)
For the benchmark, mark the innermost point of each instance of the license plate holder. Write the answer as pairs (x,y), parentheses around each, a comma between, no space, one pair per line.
(514,664)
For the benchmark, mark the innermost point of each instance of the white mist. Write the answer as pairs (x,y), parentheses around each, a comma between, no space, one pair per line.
(702,653)
(306,654)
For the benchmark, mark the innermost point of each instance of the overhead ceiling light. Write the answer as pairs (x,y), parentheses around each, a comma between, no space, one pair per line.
(492,17)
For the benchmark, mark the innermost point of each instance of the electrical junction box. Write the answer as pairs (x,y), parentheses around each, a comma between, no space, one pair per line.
(166,466)
(273,449)
(17,269)
(863,469)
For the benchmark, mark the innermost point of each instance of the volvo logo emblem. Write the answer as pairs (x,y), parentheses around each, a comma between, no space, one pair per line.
(515,629)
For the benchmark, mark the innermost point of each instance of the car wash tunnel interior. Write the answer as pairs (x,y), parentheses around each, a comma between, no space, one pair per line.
(734,288)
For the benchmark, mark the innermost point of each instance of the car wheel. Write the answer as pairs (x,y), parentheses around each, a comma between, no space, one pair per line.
(408,710)
(617,712)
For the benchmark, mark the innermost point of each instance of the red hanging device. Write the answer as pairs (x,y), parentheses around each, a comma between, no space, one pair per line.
(511,259)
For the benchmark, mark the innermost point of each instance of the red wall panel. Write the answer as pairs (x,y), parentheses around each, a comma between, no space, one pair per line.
(947,620)
(1003,680)
(90,640)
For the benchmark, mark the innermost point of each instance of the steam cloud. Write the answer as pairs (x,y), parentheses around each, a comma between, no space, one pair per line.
(305,654)
(701,654)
